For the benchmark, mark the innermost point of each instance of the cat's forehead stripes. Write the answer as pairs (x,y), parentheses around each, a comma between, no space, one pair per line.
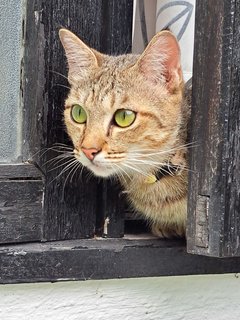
(94,98)
(114,101)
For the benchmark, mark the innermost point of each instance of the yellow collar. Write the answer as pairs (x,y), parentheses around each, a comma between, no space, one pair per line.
(151,179)
(162,172)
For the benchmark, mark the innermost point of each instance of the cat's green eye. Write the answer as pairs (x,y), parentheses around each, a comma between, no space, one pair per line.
(78,114)
(124,118)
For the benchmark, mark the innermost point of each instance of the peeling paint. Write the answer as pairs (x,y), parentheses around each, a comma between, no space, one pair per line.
(105,228)
(17,253)
(36,16)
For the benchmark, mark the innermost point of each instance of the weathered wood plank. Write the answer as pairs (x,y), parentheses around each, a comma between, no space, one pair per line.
(20,210)
(105,259)
(20,170)
(70,205)
(110,223)
(215,127)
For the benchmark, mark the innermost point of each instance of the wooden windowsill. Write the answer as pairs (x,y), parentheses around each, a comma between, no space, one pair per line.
(105,259)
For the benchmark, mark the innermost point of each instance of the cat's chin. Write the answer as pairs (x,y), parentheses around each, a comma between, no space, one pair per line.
(101,171)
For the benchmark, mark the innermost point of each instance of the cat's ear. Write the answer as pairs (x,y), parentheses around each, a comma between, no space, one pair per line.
(160,62)
(81,59)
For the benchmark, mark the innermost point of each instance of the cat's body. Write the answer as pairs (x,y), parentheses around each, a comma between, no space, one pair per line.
(148,91)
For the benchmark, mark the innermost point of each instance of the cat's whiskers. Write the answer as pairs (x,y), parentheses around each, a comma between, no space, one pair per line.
(61,85)
(89,175)
(65,169)
(59,148)
(147,161)
(183,146)
(62,144)
(58,158)
(72,171)
(152,157)
(135,169)
(43,151)
(56,147)
(64,150)
(61,151)
(118,172)
(62,164)
(60,74)
(125,172)
(159,166)
(81,171)
(57,163)
(77,166)
(122,174)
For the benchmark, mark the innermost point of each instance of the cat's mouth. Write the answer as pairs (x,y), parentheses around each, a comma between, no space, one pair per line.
(99,166)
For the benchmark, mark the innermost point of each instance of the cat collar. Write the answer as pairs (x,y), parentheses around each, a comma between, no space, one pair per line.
(164,171)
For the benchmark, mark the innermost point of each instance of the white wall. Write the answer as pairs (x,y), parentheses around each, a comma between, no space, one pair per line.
(10,62)
(167,298)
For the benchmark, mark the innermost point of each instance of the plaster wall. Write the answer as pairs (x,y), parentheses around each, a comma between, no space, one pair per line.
(10,62)
(166,298)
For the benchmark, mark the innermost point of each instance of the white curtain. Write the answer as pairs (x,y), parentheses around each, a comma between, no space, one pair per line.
(151,16)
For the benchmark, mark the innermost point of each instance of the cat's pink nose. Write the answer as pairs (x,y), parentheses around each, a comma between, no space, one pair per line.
(90,153)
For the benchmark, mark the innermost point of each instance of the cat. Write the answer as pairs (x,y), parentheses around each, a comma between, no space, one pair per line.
(127,116)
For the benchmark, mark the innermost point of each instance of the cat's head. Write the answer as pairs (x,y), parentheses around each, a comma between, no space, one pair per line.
(123,113)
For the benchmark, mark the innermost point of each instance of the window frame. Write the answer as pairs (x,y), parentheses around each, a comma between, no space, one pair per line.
(64,256)
(94,259)
(213,204)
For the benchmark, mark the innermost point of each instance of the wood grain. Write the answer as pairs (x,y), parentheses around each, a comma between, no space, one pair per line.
(105,259)
(20,210)
(71,204)
(215,128)
(19,171)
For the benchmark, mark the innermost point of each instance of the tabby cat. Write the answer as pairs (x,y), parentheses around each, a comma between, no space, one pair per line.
(126,116)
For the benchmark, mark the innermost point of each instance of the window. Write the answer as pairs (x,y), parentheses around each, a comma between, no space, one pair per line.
(47,222)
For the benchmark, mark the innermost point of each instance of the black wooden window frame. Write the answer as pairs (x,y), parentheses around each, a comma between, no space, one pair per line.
(42,239)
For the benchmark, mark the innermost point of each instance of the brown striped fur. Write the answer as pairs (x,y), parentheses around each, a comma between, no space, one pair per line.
(152,86)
